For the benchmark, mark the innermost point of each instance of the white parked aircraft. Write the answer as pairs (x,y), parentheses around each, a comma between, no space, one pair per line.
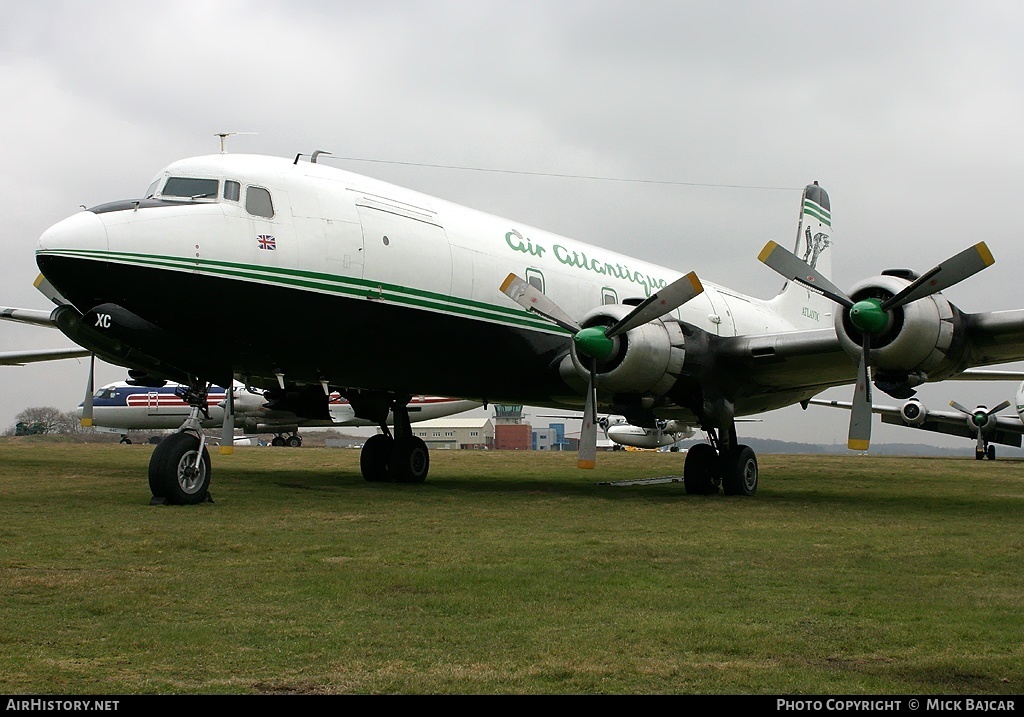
(980,423)
(381,293)
(618,430)
(122,407)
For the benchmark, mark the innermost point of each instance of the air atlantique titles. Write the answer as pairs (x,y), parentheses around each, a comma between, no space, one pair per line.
(516,242)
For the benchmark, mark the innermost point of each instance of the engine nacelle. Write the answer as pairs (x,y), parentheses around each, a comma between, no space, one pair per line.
(646,360)
(913,412)
(919,334)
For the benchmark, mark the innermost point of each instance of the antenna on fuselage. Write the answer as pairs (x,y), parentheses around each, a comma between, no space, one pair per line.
(224,135)
(312,157)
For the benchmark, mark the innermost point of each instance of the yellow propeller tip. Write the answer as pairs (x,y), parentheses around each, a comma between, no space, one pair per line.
(227,450)
(86,422)
(857,444)
(508,280)
(695,282)
(768,249)
(587,465)
(985,254)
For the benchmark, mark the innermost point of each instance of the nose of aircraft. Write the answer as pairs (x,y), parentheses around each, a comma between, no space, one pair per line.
(81,231)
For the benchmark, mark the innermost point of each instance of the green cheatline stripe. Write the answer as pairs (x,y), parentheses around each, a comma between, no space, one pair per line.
(818,212)
(325,283)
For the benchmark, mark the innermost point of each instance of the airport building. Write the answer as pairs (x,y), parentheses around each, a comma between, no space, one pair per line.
(449,433)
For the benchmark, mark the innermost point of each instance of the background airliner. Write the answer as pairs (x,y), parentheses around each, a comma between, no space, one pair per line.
(982,424)
(121,407)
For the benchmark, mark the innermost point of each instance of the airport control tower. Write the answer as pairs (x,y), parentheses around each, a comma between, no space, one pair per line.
(510,432)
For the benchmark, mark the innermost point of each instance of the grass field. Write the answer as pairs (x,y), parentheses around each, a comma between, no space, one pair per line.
(509,573)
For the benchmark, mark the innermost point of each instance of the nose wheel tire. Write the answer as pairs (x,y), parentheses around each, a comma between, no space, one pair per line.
(174,474)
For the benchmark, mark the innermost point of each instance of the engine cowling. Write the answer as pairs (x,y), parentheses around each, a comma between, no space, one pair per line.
(646,360)
(913,412)
(918,337)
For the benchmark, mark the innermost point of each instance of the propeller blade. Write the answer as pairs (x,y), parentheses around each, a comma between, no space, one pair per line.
(860,411)
(658,304)
(87,404)
(588,431)
(227,440)
(952,271)
(1000,407)
(962,409)
(795,269)
(532,299)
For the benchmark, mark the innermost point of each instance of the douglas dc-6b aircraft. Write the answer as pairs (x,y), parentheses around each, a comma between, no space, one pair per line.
(381,293)
(980,423)
(121,406)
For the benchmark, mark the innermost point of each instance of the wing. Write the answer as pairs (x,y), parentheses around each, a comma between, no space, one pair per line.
(27,316)
(790,366)
(20,358)
(1006,431)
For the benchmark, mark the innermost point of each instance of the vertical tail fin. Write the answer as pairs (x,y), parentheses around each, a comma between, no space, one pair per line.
(804,308)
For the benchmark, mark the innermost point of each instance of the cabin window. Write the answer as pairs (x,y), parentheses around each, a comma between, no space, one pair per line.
(535,279)
(608,296)
(190,188)
(258,203)
(232,190)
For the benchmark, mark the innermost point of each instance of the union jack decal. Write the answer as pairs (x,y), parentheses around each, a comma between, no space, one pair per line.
(266,241)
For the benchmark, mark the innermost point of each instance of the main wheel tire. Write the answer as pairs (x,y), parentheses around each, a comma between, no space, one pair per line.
(409,461)
(991,453)
(277,441)
(293,441)
(739,471)
(699,470)
(373,458)
(173,474)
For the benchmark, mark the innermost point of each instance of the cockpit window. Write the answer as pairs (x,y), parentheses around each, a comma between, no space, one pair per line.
(232,190)
(105,393)
(257,202)
(152,189)
(190,187)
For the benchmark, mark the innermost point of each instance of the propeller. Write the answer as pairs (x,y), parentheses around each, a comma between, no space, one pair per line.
(872,316)
(978,419)
(598,342)
(87,403)
(227,440)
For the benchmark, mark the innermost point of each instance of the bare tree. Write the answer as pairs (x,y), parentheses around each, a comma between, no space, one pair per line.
(51,419)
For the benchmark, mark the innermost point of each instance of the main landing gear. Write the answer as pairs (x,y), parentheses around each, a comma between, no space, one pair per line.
(398,457)
(292,441)
(179,469)
(987,452)
(720,463)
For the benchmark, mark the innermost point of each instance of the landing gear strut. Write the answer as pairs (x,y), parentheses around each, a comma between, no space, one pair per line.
(721,463)
(179,469)
(398,457)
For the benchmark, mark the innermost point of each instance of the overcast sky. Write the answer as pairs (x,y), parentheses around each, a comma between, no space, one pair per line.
(910,114)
